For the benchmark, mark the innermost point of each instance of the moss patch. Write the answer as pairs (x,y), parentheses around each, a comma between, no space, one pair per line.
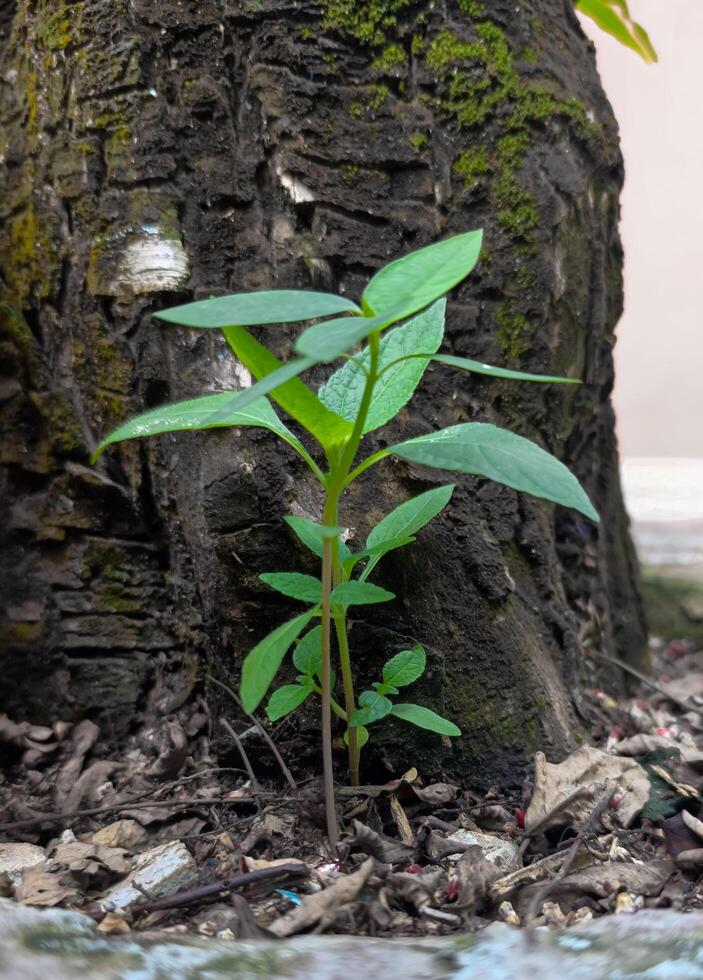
(368,21)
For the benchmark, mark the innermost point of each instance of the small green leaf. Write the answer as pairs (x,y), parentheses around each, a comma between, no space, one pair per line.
(261,664)
(359,594)
(294,396)
(313,535)
(307,656)
(286,699)
(501,455)
(343,391)
(327,341)
(424,718)
(378,552)
(409,517)
(268,384)
(257,309)
(374,707)
(465,364)
(418,279)
(362,736)
(404,668)
(196,413)
(307,588)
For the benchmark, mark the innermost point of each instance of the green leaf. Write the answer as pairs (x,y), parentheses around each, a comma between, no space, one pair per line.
(424,718)
(197,413)
(359,594)
(362,736)
(374,707)
(327,341)
(343,391)
(273,381)
(404,668)
(294,397)
(313,535)
(286,699)
(409,517)
(486,450)
(307,656)
(307,588)
(613,17)
(465,364)
(418,279)
(257,309)
(261,664)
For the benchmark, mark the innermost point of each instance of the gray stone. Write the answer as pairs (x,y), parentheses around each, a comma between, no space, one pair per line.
(501,852)
(160,871)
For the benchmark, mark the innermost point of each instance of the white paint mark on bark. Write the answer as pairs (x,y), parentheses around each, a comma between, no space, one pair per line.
(150,264)
(296,189)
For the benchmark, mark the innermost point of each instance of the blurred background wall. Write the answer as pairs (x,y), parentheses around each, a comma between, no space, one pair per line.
(659,351)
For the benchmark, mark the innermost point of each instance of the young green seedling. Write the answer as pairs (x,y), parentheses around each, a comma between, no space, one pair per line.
(366,392)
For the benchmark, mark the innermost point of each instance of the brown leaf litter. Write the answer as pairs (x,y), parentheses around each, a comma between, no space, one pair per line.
(159,835)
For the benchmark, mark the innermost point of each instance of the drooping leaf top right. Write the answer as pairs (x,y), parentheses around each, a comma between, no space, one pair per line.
(613,17)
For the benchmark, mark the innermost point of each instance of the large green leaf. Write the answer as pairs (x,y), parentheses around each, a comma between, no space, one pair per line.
(313,535)
(465,364)
(256,309)
(613,17)
(283,374)
(342,393)
(307,588)
(359,594)
(424,718)
(404,668)
(294,396)
(286,699)
(197,413)
(407,518)
(261,664)
(486,450)
(416,280)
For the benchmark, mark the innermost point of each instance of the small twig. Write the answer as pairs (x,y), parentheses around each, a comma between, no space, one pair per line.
(191,895)
(541,895)
(547,817)
(649,681)
(95,811)
(245,758)
(260,728)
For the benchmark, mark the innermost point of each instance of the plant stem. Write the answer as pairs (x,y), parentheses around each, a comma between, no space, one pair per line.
(331,570)
(329,519)
(340,623)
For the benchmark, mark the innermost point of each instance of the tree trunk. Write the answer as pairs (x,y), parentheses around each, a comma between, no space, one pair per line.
(160,151)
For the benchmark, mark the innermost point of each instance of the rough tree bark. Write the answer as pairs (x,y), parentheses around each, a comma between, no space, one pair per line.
(157,151)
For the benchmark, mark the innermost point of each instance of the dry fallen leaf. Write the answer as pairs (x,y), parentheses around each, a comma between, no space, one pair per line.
(587,769)
(45,888)
(474,876)
(601,880)
(121,833)
(388,850)
(321,907)
(90,858)
(113,925)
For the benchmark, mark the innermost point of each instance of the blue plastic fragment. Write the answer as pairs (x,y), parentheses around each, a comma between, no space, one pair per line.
(291,896)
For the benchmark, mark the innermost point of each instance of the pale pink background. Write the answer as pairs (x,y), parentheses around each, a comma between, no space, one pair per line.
(659,352)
